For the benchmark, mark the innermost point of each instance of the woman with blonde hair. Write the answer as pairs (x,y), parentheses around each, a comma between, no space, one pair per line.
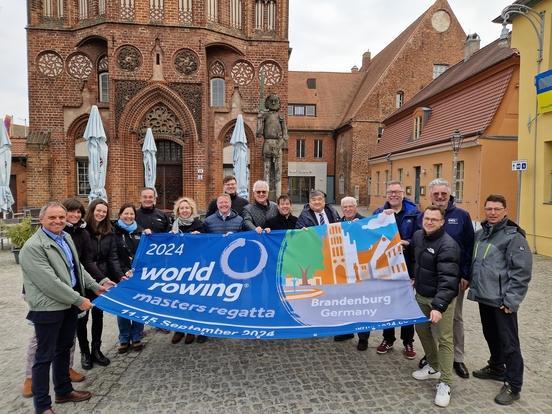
(186,220)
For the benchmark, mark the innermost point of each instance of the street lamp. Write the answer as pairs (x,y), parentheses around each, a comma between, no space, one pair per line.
(536,19)
(456,142)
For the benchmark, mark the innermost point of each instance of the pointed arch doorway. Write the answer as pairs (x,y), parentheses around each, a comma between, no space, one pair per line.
(169,180)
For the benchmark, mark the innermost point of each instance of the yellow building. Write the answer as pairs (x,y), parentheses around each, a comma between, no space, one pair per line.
(535,132)
(477,96)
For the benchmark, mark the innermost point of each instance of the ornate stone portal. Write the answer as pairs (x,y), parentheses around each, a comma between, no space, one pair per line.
(272,127)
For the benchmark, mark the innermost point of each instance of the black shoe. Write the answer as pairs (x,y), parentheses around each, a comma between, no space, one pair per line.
(461,369)
(201,339)
(362,345)
(423,362)
(489,372)
(339,338)
(98,357)
(86,361)
(506,396)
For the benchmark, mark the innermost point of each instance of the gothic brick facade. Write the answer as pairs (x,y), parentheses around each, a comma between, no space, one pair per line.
(149,64)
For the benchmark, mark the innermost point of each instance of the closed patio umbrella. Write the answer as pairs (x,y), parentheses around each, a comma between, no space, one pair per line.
(6,197)
(239,158)
(94,134)
(150,161)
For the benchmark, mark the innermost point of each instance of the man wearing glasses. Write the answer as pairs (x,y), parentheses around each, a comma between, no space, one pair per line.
(317,212)
(256,214)
(458,225)
(406,213)
(502,265)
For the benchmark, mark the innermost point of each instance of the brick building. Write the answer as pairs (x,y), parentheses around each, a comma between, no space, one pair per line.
(478,97)
(349,108)
(185,68)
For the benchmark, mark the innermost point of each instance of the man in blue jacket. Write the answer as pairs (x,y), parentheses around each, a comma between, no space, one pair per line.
(406,214)
(458,225)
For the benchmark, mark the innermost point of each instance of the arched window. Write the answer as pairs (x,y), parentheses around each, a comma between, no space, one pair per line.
(217,92)
(236,14)
(103,80)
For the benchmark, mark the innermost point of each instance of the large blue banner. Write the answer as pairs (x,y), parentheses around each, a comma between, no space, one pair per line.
(325,280)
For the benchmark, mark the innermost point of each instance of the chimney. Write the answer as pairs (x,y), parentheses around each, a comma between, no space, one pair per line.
(366,59)
(471,45)
(354,68)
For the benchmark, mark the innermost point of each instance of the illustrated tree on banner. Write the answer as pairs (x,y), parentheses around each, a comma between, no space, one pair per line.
(303,255)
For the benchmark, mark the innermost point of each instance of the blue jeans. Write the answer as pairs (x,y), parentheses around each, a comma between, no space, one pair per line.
(129,330)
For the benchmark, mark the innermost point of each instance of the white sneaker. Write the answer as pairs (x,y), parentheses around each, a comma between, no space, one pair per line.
(442,396)
(426,372)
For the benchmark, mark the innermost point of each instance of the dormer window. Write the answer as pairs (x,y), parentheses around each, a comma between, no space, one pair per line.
(418,127)
(421,115)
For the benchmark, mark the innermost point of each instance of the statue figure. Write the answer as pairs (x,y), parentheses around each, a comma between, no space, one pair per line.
(272,127)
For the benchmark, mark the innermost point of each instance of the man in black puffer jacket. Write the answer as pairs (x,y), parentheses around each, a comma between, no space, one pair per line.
(436,277)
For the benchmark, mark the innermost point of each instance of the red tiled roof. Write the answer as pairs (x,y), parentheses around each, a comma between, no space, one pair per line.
(481,60)
(470,110)
(332,94)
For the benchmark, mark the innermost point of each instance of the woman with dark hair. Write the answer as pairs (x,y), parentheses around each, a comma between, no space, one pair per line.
(104,253)
(127,236)
(186,221)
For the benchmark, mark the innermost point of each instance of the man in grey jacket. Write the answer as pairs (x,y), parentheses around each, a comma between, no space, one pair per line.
(502,265)
(256,214)
(54,281)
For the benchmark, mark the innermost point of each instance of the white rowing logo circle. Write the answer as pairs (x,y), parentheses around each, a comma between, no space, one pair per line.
(242,275)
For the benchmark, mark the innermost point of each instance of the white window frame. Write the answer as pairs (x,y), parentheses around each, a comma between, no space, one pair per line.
(318,148)
(83,9)
(300,147)
(459,186)
(82,170)
(103,90)
(399,99)
(217,92)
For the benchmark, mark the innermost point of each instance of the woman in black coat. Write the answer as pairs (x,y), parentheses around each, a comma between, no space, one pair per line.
(127,235)
(104,253)
(186,221)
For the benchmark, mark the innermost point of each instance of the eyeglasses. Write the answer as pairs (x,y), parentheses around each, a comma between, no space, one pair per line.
(395,192)
(492,209)
(432,220)
(439,194)
(261,192)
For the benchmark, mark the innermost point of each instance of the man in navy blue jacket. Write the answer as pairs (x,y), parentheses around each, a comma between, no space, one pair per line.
(458,225)
(406,214)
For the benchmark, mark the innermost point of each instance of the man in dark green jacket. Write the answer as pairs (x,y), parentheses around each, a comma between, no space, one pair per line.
(502,265)
(54,281)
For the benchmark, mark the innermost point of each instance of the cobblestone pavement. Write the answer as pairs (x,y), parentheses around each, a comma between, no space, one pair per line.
(293,376)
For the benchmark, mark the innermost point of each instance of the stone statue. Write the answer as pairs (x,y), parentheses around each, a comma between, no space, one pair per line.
(272,127)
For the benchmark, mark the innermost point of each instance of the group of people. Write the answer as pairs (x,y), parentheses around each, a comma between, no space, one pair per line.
(63,274)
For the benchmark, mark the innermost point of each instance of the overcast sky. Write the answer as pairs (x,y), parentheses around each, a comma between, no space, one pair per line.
(326,35)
